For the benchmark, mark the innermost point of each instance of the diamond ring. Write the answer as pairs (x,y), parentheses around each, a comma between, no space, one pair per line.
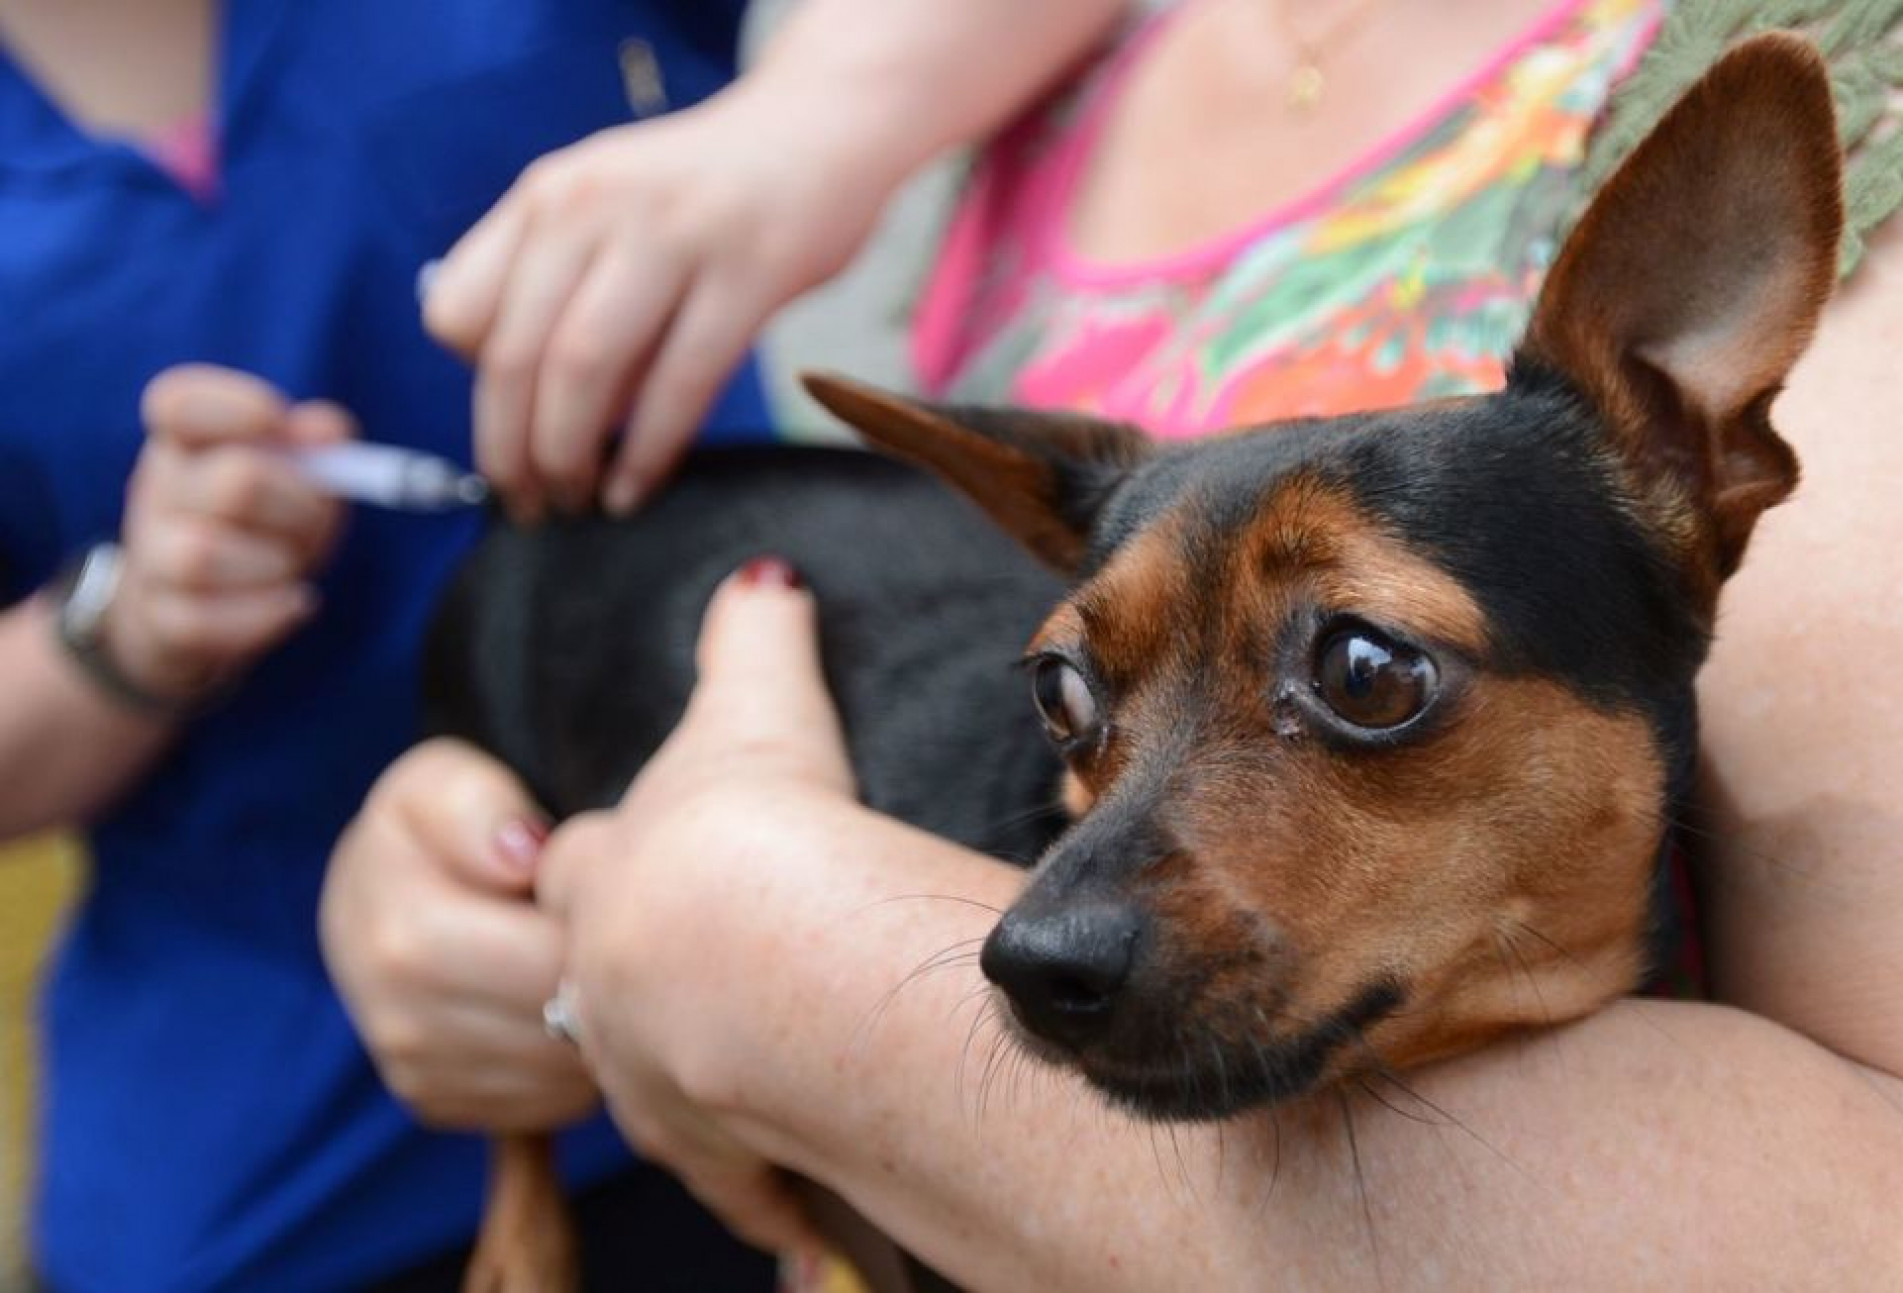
(558,1015)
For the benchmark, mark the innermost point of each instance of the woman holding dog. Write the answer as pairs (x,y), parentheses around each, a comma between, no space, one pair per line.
(1749,1142)
(229,657)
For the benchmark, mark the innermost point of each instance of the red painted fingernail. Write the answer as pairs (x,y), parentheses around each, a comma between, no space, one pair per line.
(769,572)
(520,843)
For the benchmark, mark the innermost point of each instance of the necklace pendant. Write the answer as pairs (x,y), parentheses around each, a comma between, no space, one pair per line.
(1305,86)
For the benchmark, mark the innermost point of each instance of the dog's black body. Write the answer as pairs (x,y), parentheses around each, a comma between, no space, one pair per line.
(567,651)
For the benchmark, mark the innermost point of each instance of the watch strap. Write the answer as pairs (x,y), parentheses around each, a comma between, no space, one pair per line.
(81,595)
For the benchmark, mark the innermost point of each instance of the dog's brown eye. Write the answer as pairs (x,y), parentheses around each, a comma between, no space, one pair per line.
(1065,701)
(1371,681)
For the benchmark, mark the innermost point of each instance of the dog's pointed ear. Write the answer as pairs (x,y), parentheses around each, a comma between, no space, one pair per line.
(1693,283)
(1041,476)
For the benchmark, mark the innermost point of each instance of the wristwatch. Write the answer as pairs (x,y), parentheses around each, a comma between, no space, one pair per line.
(81,594)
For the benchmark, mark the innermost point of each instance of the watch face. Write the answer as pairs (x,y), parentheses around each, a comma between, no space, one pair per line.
(83,610)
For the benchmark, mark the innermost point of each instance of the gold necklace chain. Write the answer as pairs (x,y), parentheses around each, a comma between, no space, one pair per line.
(1307,81)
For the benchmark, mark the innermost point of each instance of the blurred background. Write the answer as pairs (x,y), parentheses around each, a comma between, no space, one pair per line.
(36,880)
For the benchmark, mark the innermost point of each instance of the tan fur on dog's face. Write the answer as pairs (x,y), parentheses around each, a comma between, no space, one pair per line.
(1495,871)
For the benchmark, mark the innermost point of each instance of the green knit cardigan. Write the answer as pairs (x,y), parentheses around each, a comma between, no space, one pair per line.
(1862,39)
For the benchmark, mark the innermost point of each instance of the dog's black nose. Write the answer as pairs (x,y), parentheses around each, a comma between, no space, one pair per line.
(1064,969)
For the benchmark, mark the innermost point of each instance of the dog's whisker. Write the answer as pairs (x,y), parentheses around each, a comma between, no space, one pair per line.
(1222,1083)
(958,954)
(960,899)
(984,1076)
(1025,1069)
(1008,1057)
(1361,1184)
(1182,1165)
(1156,1153)
(1387,1074)
(987,1081)
(1719,875)
(1193,1084)
(1275,1167)
(1552,1039)
(1540,937)
(1393,1108)
(1639,1005)
(986,1014)
(979,991)
(1504,938)
(1053,811)
(1506,966)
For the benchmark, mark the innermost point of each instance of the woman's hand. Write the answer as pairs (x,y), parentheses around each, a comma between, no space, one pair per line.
(670,899)
(440,956)
(622,279)
(221,534)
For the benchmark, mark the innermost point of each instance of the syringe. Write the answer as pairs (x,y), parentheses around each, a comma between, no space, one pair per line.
(384,475)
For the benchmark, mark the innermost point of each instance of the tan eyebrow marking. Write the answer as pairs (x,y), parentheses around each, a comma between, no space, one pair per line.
(1315,531)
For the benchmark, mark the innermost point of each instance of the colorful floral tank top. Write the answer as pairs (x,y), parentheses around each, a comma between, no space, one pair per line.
(1407,276)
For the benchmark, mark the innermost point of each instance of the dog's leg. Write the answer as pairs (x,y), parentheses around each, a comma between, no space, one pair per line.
(527,1242)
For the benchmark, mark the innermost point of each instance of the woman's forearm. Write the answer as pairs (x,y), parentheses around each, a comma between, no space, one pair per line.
(1654,1141)
(65,749)
(907,78)
(1802,843)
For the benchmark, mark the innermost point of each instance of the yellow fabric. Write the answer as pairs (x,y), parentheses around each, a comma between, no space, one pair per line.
(809,1274)
(37,880)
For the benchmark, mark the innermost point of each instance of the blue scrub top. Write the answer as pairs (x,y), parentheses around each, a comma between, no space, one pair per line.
(213,1123)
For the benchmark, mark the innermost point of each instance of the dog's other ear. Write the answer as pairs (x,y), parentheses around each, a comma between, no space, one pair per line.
(1693,283)
(1041,476)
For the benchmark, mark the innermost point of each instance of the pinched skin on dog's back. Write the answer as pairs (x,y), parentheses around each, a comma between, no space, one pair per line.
(567,650)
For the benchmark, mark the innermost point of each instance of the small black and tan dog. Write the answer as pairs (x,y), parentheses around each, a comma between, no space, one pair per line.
(1340,707)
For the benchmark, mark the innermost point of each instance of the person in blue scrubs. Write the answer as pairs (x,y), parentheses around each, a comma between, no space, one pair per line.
(212,1120)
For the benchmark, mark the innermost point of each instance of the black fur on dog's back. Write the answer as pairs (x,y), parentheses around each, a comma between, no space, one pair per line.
(567,650)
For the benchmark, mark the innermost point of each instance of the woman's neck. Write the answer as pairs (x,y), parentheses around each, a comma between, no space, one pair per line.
(1206,136)
(116,67)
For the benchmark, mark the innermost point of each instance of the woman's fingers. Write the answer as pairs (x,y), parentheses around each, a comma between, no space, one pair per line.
(581,842)
(241,486)
(704,342)
(599,355)
(761,700)
(221,533)
(443,964)
(203,558)
(470,812)
(198,405)
(540,283)
(464,292)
